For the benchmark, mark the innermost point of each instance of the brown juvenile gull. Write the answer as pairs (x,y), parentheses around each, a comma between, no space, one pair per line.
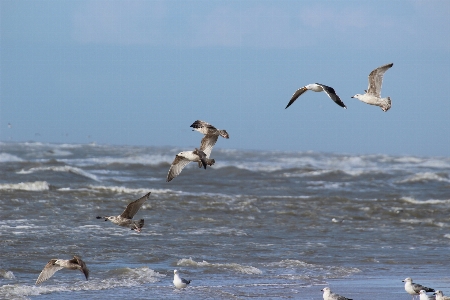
(178,282)
(57,264)
(211,135)
(183,158)
(125,219)
(317,87)
(328,295)
(373,93)
(415,288)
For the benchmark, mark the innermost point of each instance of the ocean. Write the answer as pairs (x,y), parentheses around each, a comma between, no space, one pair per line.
(257,224)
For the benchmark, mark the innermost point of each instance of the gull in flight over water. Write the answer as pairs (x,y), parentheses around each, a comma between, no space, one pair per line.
(211,135)
(328,295)
(57,264)
(201,156)
(178,282)
(126,218)
(317,87)
(373,93)
(415,288)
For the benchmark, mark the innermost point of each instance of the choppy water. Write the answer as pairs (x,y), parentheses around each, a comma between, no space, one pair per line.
(255,225)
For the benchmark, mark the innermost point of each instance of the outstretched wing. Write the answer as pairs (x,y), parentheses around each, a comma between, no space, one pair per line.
(133,207)
(376,80)
(207,143)
(82,266)
(332,94)
(297,94)
(48,271)
(202,126)
(177,166)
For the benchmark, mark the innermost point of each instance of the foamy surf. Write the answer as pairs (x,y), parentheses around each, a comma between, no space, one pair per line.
(67,169)
(189,262)
(125,277)
(35,186)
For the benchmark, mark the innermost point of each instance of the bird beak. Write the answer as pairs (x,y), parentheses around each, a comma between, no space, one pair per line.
(352,97)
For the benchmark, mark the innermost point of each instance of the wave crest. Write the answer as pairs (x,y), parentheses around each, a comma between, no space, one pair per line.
(26,186)
(229,266)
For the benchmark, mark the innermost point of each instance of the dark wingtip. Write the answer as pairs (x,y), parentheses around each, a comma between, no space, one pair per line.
(98,217)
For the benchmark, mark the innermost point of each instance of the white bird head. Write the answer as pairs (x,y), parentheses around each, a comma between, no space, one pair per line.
(326,290)
(407,280)
(357,96)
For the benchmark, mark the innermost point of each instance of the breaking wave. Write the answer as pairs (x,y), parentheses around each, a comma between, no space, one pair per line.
(229,266)
(26,186)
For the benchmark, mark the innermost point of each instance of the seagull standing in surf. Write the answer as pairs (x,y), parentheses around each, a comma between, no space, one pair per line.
(55,265)
(373,93)
(423,296)
(415,288)
(328,295)
(440,296)
(211,135)
(126,218)
(178,282)
(317,87)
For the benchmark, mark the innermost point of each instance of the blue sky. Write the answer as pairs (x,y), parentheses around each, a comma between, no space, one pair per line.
(140,72)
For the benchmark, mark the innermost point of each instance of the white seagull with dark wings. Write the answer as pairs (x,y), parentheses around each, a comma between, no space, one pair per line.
(317,87)
(373,93)
(125,219)
(57,264)
(178,282)
(201,156)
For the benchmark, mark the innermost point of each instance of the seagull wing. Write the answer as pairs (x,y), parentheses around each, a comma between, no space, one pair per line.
(202,126)
(48,271)
(207,143)
(177,165)
(297,94)
(82,266)
(376,80)
(332,94)
(133,207)
(417,287)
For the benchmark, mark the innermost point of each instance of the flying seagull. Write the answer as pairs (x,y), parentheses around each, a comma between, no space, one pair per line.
(415,288)
(328,295)
(440,296)
(211,135)
(125,219)
(57,264)
(178,282)
(317,87)
(183,158)
(373,93)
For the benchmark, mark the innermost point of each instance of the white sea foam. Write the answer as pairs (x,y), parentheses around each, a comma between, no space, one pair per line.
(125,190)
(140,159)
(7,274)
(125,277)
(328,271)
(188,262)
(430,201)
(424,177)
(6,157)
(68,169)
(218,231)
(26,186)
